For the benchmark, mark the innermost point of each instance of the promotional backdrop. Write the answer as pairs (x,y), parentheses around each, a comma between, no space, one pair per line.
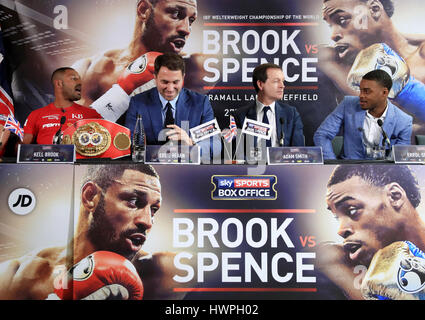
(227,40)
(225,235)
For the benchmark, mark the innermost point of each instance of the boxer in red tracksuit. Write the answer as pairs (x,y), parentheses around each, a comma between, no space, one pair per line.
(42,124)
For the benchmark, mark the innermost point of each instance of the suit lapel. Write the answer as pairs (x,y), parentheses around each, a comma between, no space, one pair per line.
(280,115)
(389,122)
(182,108)
(359,118)
(155,113)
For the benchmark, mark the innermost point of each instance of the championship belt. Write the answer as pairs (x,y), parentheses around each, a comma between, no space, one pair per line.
(98,138)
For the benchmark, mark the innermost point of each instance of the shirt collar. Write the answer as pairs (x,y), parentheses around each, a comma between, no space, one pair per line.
(260,106)
(172,102)
(382,117)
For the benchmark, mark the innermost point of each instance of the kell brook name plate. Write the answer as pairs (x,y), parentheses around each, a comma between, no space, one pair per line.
(48,153)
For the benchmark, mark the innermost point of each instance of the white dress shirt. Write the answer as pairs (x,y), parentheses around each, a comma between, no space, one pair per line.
(271,115)
(164,106)
(372,132)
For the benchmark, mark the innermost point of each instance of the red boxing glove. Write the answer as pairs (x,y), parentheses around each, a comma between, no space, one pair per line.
(138,72)
(98,270)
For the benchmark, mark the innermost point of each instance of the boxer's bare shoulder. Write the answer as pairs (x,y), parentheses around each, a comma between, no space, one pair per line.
(99,73)
(416,62)
(333,262)
(334,68)
(157,271)
(31,276)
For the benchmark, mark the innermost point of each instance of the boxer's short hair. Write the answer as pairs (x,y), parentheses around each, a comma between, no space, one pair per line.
(170,60)
(104,175)
(153,2)
(387,4)
(260,73)
(59,71)
(380,176)
(381,77)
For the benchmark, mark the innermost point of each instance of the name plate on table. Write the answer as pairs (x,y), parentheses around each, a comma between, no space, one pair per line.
(409,154)
(46,153)
(295,155)
(177,154)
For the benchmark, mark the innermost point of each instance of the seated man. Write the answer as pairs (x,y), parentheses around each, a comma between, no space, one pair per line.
(364,120)
(42,124)
(287,127)
(170,106)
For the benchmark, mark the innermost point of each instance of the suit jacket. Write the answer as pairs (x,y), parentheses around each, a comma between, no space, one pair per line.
(349,115)
(292,127)
(191,106)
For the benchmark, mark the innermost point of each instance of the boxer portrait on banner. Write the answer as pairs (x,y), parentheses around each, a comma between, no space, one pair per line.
(117,208)
(161,26)
(44,124)
(368,121)
(366,38)
(381,230)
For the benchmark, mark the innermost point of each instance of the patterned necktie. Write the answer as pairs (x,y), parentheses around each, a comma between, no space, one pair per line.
(169,118)
(266,121)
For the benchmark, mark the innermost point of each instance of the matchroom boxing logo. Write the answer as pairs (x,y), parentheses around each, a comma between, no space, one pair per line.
(21,201)
(244,187)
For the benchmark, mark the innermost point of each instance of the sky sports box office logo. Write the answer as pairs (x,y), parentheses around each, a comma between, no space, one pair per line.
(244,187)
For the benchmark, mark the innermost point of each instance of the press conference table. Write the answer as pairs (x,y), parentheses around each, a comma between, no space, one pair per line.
(128,160)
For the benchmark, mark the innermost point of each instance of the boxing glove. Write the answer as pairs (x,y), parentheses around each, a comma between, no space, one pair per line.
(100,275)
(396,272)
(136,78)
(138,72)
(406,91)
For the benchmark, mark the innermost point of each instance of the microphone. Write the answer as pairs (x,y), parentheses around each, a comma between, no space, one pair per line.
(385,140)
(282,133)
(57,139)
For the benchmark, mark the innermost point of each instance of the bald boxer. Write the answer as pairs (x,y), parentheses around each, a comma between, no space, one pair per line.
(375,206)
(359,25)
(117,209)
(43,125)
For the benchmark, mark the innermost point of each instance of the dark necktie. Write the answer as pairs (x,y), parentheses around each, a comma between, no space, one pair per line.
(169,118)
(266,121)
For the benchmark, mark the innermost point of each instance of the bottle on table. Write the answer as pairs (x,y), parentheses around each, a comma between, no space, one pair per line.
(139,141)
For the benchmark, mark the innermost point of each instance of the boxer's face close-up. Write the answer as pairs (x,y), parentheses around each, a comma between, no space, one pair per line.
(366,219)
(169,25)
(125,213)
(351,27)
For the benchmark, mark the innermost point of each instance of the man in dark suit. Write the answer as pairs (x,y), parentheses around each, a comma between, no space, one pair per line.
(169,110)
(287,127)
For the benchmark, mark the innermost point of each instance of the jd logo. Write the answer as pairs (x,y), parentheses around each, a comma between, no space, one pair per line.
(21,201)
